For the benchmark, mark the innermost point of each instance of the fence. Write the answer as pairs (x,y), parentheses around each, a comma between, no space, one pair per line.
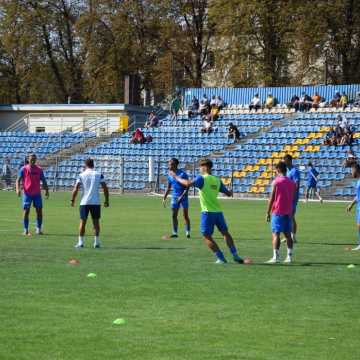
(240,96)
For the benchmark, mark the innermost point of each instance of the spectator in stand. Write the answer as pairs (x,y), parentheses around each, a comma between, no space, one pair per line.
(203,108)
(220,102)
(194,107)
(255,103)
(294,103)
(207,125)
(316,100)
(213,101)
(152,121)
(343,102)
(214,113)
(342,121)
(175,106)
(138,137)
(357,99)
(233,132)
(269,102)
(335,101)
(305,102)
(205,100)
(330,137)
(6,173)
(350,160)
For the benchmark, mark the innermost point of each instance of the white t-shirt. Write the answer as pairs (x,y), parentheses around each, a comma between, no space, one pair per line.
(90,181)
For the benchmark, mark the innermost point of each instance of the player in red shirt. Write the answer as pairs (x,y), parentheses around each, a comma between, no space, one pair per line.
(280,211)
(31,176)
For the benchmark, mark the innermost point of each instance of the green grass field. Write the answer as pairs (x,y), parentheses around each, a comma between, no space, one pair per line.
(177,304)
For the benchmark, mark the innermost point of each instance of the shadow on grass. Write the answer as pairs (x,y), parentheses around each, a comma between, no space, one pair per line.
(302,264)
(327,243)
(133,248)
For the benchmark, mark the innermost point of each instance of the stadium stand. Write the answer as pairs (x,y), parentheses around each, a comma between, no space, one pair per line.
(248,165)
(16,145)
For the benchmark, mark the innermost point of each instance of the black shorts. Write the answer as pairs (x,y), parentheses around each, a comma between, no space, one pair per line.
(94,210)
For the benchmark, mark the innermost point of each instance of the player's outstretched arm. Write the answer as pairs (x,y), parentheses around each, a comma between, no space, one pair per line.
(349,208)
(45,187)
(106,194)
(270,205)
(184,182)
(166,194)
(18,186)
(74,193)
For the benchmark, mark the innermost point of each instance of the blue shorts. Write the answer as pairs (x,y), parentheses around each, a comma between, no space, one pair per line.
(36,200)
(184,203)
(311,186)
(211,219)
(281,223)
(94,210)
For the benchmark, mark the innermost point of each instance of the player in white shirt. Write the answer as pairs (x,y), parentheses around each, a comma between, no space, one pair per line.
(90,181)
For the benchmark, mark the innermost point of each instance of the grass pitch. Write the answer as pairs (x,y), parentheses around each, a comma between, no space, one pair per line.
(177,304)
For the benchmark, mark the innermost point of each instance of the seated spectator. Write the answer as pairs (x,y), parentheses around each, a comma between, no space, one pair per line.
(175,106)
(335,100)
(220,102)
(342,121)
(205,100)
(343,102)
(316,100)
(207,125)
(330,137)
(357,99)
(294,103)
(214,113)
(348,137)
(350,160)
(213,101)
(255,103)
(194,107)
(138,137)
(269,102)
(233,132)
(204,108)
(152,121)
(305,102)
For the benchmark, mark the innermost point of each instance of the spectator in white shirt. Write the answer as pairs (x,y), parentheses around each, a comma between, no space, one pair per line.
(255,103)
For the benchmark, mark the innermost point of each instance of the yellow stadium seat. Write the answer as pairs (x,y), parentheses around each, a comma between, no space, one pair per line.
(311,135)
(296,154)
(262,189)
(262,161)
(356,135)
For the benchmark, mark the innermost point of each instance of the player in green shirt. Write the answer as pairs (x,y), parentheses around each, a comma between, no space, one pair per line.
(211,214)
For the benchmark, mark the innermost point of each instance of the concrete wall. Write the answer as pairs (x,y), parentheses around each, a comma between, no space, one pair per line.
(55,118)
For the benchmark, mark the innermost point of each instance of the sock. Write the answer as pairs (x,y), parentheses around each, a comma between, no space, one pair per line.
(289,252)
(175,230)
(81,240)
(293,236)
(187,229)
(276,254)
(38,223)
(220,255)
(96,240)
(26,224)
(233,251)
